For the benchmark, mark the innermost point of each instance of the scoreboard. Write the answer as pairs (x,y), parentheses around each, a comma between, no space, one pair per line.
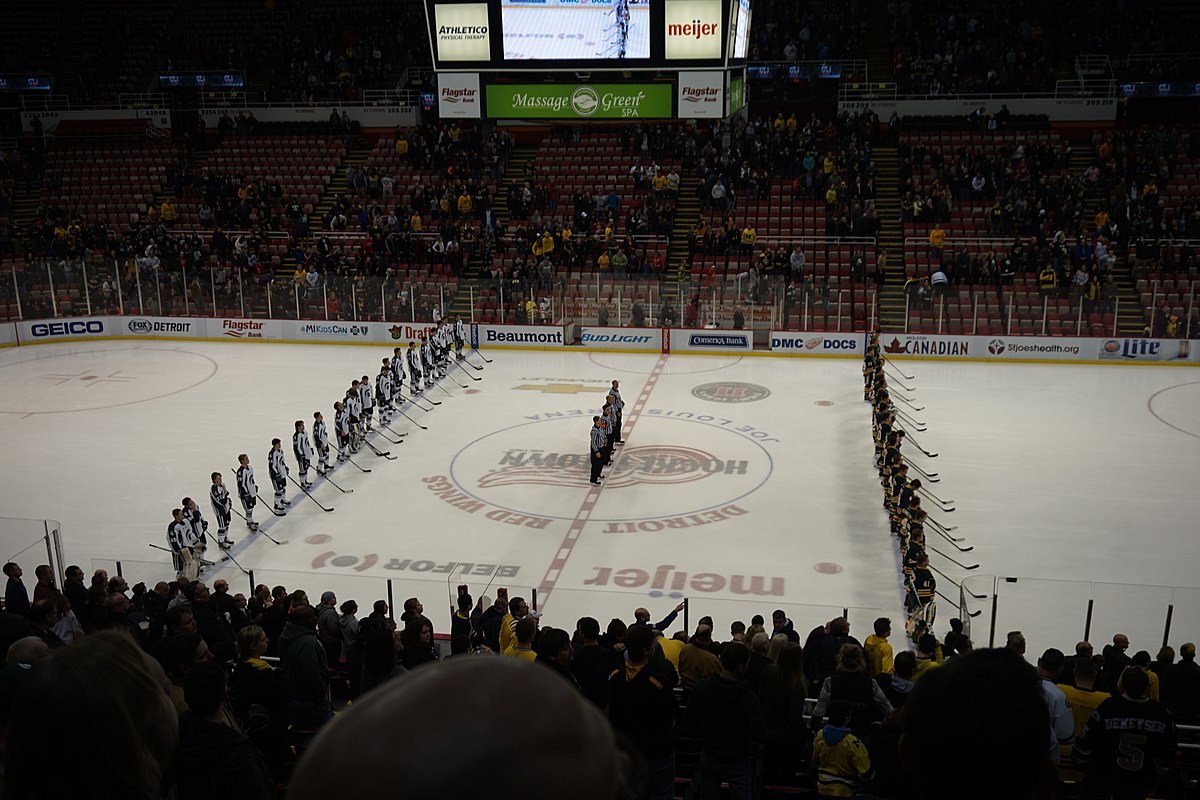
(534,59)
(587,35)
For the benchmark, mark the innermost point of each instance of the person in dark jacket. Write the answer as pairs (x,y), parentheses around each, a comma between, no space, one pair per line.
(728,721)
(329,629)
(16,596)
(1116,659)
(217,632)
(869,705)
(379,661)
(1181,687)
(212,759)
(258,689)
(275,618)
(554,651)
(641,706)
(305,669)
(75,590)
(782,692)
(831,644)
(417,639)
(592,664)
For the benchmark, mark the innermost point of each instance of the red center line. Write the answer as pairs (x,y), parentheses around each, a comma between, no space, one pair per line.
(554,571)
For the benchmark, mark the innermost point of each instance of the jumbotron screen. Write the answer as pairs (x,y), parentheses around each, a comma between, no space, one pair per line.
(576,30)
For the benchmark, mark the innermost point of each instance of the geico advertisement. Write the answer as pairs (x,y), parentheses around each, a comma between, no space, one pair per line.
(693,29)
(461,32)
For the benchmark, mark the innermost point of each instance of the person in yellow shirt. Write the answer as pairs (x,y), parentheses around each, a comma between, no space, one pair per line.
(929,655)
(1083,699)
(879,651)
(402,147)
(547,243)
(841,758)
(167,211)
(937,237)
(299,276)
(523,646)
(749,237)
(1048,280)
(602,262)
(659,183)
(827,165)
(831,196)
(152,213)
(415,223)
(1141,659)
(465,204)
(518,610)
(671,648)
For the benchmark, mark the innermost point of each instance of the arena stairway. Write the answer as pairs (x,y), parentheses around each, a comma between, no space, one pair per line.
(1130,317)
(891,238)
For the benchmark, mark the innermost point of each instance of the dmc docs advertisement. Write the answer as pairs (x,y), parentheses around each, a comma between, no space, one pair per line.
(461,32)
(701,95)
(711,341)
(642,340)
(459,96)
(818,344)
(693,29)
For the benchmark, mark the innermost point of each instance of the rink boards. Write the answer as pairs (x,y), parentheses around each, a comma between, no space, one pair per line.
(1084,350)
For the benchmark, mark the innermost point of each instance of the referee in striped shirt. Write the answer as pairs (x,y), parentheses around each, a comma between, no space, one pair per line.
(598,446)
(618,408)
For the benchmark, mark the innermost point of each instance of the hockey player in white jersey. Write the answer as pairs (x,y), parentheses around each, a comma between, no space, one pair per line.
(367,398)
(414,368)
(247,489)
(303,452)
(199,528)
(341,428)
(222,507)
(321,441)
(383,392)
(427,364)
(179,538)
(278,470)
(354,406)
(460,336)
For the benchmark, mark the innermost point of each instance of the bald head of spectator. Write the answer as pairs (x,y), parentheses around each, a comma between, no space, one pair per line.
(567,747)
(759,643)
(31,650)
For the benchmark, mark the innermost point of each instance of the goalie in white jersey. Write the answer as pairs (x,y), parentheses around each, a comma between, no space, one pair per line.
(303,452)
(247,489)
(199,526)
(179,538)
(277,469)
(222,507)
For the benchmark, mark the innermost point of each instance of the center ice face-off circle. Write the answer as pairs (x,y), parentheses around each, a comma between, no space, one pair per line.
(671,467)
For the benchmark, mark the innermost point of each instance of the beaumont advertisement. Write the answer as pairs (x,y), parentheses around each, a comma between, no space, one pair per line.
(576,101)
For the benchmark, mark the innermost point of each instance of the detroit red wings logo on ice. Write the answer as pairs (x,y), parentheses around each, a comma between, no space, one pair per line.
(659,464)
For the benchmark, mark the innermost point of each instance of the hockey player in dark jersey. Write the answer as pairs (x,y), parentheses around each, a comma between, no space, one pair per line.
(247,489)
(277,469)
(222,507)
(321,442)
(341,429)
(303,452)
(353,407)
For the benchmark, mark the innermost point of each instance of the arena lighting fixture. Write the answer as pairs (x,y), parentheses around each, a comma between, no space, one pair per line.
(584,76)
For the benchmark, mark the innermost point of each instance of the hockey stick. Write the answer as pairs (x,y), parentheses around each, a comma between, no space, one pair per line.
(930,476)
(410,419)
(947,530)
(475,350)
(954,560)
(944,507)
(951,540)
(310,497)
(264,502)
(351,460)
(933,496)
(469,375)
(949,580)
(224,557)
(461,357)
(912,439)
(902,373)
(896,377)
(456,381)
(383,454)
(384,436)
(906,402)
(918,426)
(329,480)
(438,384)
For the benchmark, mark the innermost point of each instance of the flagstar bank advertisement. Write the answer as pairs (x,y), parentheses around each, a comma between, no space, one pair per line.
(580,101)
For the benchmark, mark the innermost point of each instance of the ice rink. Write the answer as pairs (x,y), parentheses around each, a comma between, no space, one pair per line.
(746,484)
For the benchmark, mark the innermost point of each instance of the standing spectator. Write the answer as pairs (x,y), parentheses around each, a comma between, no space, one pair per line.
(899,685)
(641,706)
(697,661)
(305,669)
(593,664)
(850,682)
(213,759)
(878,650)
(831,645)
(1122,741)
(217,632)
(554,651)
(1142,659)
(348,625)
(44,588)
(782,693)
(843,763)
(228,605)
(418,643)
(16,596)
(1062,724)
(522,646)
(1181,686)
(759,661)
(75,590)
(1115,662)
(729,722)
(329,628)
(1083,700)
(641,617)
(255,682)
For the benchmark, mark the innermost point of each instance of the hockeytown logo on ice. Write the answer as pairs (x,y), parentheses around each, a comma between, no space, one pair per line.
(651,464)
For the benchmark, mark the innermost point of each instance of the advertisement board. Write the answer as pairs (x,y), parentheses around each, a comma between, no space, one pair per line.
(251,330)
(716,340)
(462,32)
(53,330)
(537,336)
(701,95)
(171,327)
(1160,350)
(821,343)
(641,340)
(459,96)
(579,101)
(693,29)
(8,334)
(735,96)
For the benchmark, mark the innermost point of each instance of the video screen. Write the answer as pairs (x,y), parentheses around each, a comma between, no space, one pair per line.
(577,30)
(741,29)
